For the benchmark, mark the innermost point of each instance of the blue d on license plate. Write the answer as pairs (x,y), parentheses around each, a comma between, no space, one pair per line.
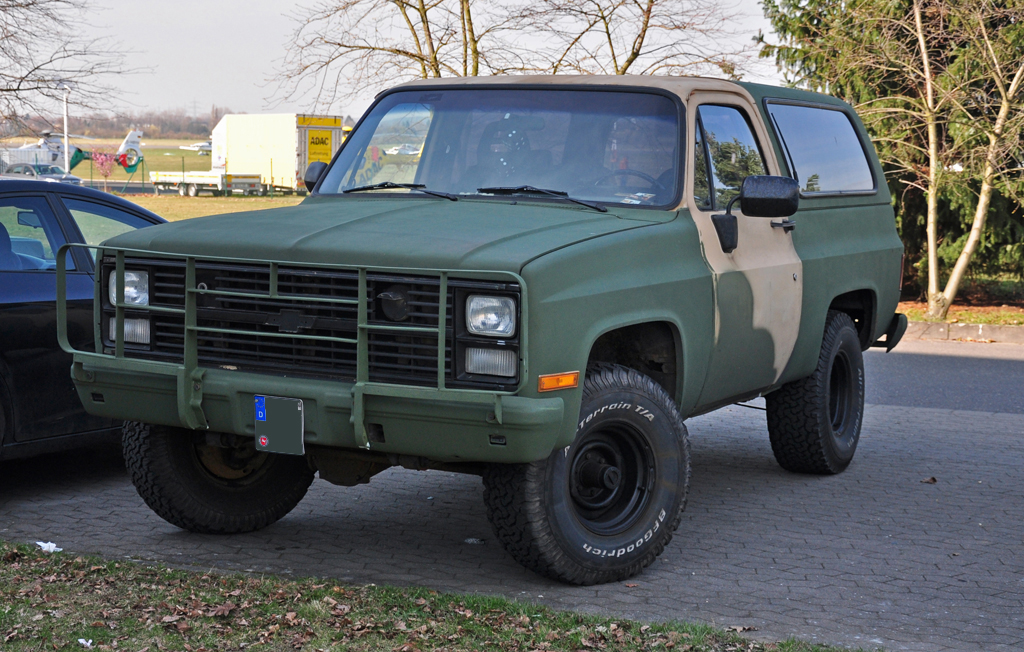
(279,425)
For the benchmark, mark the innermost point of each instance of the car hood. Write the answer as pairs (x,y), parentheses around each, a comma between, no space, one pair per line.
(410,232)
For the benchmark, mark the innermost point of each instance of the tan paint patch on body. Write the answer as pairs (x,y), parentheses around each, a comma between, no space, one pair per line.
(765,256)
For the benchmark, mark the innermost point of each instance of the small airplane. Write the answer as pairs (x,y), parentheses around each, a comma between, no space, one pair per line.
(204,148)
(50,150)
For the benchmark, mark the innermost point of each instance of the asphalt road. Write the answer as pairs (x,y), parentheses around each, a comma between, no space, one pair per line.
(871,557)
(948,375)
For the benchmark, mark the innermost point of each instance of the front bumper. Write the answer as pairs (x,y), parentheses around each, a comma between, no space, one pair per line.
(414,421)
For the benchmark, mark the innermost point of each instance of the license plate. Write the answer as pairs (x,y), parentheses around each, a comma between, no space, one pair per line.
(279,425)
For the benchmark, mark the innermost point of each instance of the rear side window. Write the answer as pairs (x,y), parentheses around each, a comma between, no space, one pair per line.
(823,148)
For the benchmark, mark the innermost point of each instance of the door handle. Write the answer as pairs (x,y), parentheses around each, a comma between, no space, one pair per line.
(785,225)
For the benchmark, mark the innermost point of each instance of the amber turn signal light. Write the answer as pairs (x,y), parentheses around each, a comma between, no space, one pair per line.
(551,382)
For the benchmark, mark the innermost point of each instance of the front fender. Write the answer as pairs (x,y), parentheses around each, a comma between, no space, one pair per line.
(579,293)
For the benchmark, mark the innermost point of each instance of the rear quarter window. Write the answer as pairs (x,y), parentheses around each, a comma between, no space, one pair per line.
(824,151)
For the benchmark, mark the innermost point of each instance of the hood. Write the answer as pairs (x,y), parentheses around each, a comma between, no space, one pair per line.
(426,233)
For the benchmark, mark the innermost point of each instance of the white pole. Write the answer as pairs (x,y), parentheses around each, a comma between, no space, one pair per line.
(67,153)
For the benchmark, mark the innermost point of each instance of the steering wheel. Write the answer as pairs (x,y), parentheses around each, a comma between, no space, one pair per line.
(628,172)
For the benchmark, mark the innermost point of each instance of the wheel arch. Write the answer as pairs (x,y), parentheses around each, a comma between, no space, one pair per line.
(652,347)
(862,307)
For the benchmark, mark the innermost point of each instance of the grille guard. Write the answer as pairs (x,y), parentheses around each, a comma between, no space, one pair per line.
(189,373)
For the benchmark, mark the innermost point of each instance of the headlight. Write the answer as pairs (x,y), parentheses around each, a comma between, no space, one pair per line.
(491,316)
(136,288)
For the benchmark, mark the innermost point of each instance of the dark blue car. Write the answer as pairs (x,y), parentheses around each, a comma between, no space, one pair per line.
(39,409)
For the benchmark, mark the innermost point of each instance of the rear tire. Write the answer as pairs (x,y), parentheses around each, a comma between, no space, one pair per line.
(209,489)
(182,190)
(193,190)
(602,509)
(814,423)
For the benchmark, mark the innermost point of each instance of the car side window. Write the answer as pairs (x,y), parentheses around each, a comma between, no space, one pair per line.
(29,235)
(99,222)
(733,152)
(823,148)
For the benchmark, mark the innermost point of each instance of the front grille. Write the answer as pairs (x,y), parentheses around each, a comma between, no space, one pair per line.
(406,358)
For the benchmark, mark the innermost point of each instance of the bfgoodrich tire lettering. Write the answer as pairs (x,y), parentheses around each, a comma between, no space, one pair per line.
(602,509)
(814,423)
(211,490)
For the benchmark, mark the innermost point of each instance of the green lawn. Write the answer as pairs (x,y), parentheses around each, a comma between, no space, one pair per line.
(169,159)
(51,601)
(174,207)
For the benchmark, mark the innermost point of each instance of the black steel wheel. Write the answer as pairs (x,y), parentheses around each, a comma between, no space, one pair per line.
(814,423)
(212,489)
(603,508)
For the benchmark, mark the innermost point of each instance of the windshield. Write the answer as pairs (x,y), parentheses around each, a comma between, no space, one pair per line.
(48,169)
(606,146)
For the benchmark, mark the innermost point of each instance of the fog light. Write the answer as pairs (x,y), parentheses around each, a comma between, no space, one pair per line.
(136,331)
(492,362)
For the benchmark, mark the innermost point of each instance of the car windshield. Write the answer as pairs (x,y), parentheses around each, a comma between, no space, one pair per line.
(48,169)
(606,146)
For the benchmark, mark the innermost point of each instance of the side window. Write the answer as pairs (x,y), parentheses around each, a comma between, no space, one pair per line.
(732,148)
(99,222)
(29,235)
(824,151)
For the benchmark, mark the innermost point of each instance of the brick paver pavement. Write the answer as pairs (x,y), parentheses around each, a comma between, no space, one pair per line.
(872,557)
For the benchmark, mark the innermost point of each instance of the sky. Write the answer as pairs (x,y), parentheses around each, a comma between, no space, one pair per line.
(197,53)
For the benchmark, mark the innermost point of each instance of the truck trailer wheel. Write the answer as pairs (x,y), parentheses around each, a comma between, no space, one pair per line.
(193,190)
(603,508)
(211,489)
(182,189)
(814,423)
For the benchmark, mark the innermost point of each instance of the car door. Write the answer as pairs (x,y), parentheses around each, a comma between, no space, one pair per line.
(759,285)
(43,399)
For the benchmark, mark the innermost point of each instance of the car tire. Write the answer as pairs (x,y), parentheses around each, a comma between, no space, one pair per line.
(211,489)
(193,190)
(603,508)
(814,423)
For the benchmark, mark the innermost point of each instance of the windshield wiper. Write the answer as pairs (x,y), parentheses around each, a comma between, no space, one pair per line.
(531,190)
(418,187)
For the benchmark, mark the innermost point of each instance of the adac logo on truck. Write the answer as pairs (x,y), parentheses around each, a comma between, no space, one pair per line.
(319,145)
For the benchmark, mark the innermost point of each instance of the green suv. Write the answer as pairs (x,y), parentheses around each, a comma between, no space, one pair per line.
(531,279)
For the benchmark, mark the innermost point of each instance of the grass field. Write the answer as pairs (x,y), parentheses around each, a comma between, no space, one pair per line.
(61,602)
(174,208)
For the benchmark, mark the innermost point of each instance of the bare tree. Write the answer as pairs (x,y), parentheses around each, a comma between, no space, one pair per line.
(988,120)
(644,37)
(40,49)
(343,48)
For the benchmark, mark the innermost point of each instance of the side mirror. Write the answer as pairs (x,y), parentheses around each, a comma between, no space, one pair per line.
(764,196)
(760,196)
(313,173)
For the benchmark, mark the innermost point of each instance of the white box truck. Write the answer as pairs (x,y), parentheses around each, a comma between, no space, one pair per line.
(278,146)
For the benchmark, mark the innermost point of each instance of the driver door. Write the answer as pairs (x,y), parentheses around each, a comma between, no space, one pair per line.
(759,285)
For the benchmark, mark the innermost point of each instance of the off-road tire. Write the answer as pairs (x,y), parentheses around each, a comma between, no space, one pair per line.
(814,423)
(165,467)
(536,509)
